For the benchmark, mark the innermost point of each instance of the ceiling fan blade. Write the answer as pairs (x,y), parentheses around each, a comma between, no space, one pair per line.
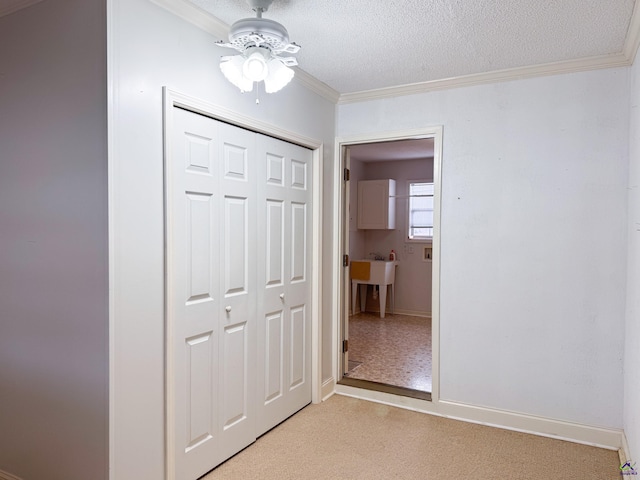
(290,48)
(220,43)
(288,61)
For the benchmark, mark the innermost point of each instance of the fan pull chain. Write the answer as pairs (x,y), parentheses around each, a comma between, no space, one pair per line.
(257,93)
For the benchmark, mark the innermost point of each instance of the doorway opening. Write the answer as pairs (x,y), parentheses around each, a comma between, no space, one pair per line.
(390,231)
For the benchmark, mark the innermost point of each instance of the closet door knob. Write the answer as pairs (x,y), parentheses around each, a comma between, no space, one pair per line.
(282,296)
(228,309)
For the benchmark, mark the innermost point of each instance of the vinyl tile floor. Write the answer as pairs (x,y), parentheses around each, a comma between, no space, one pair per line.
(395,350)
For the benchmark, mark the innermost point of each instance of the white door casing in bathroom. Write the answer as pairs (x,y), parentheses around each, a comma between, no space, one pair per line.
(231,360)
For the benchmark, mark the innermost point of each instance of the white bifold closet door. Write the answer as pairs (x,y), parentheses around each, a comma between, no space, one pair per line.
(238,288)
(284,283)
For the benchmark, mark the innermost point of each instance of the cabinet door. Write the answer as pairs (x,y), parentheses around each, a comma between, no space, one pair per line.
(376,204)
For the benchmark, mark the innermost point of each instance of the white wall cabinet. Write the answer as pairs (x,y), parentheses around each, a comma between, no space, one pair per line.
(377,204)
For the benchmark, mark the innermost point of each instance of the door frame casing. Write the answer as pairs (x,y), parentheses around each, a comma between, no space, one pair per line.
(341,287)
(171,99)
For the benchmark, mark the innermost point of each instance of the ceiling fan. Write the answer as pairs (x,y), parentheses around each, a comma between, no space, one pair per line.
(261,42)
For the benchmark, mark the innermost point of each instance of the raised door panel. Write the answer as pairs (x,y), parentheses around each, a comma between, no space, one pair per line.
(200,406)
(298,351)
(192,295)
(298,244)
(271,358)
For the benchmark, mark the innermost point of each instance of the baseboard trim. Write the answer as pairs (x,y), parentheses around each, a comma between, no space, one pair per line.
(399,311)
(610,439)
(413,313)
(601,437)
(328,388)
(8,476)
(624,453)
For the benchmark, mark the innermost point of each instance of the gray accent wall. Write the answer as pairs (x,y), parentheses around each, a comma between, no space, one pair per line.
(54,242)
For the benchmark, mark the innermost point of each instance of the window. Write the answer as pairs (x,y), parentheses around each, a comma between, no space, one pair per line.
(420,220)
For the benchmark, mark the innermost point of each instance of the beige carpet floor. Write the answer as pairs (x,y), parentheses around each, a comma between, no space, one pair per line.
(347,438)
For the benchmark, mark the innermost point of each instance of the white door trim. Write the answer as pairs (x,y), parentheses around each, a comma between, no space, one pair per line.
(173,99)
(434,132)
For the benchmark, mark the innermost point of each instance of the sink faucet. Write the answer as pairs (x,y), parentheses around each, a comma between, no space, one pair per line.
(376,256)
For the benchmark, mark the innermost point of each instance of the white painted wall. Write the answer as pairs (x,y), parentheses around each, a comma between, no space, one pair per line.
(533,258)
(632,330)
(53,242)
(152,48)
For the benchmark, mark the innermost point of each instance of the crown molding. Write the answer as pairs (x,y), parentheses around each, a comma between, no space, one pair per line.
(315,85)
(632,41)
(555,68)
(15,6)
(207,22)
(196,16)
(210,24)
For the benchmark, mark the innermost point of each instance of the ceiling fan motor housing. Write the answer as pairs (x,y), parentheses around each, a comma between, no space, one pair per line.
(273,34)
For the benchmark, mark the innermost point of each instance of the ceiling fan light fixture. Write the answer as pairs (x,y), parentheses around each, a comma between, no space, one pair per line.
(232,68)
(260,42)
(279,76)
(255,66)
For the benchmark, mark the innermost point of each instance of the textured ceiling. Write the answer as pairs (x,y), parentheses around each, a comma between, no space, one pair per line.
(358,45)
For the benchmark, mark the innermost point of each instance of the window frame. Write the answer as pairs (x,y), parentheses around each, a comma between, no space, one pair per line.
(424,240)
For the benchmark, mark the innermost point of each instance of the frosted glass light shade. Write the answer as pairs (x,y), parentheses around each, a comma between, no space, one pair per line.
(255,66)
(279,76)
(239,70)
(232,68)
